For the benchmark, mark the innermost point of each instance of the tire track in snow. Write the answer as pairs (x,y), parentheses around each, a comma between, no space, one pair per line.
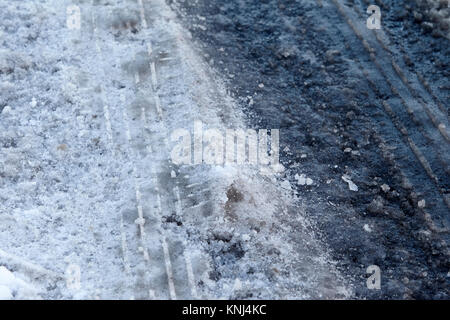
(141,215)
(440,126)
(427,217)
(154,81)
(111,142)
(140,220)
(416,151)
(432,115)
(385,31)
(421,159)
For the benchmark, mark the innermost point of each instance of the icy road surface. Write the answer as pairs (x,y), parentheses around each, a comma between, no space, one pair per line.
(91,205)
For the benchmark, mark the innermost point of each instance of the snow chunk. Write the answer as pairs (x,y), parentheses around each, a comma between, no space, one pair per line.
(421,204)
(351,185)
(303,180)
(6,110)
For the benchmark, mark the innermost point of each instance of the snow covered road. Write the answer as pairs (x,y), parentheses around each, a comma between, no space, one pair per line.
(92,204)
